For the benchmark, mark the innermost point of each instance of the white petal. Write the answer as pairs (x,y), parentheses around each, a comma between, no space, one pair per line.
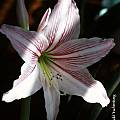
(97,93)
(44,20)
(63,23)
(82,84)
(81,53)
(25,88)
(52,101)
(28,44)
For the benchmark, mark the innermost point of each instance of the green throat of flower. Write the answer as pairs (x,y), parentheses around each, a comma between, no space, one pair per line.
(43,62)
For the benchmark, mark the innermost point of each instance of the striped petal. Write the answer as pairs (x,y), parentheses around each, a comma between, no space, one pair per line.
(29,45)
(52,100)
(81,83)
(76,54)
(63,23)
(27,84)
(44,20)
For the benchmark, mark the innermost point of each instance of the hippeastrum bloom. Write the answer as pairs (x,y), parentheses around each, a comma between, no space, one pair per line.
(56,60)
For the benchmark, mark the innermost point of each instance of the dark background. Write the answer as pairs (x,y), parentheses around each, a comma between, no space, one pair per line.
(106,70)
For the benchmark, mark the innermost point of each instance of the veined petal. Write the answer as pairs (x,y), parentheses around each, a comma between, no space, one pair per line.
(44,20)
(63,23)
(81,83)
(52,100)
(29,45)
(27,84)
(81,53)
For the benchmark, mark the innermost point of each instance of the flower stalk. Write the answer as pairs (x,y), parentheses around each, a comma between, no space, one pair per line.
(25,109)
(24,23)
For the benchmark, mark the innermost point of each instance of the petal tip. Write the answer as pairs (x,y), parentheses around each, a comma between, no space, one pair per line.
(6,98)
(97,94)
(110,41)
(9,97)
(105,103)
(3,28)
(4,25)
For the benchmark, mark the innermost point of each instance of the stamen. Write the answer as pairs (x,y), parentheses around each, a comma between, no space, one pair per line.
(54,83)
(51,78)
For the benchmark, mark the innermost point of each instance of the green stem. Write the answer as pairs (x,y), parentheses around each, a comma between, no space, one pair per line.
(25,109)
(23,20)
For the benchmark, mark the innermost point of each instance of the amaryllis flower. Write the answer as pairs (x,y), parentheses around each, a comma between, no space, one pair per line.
(56,60)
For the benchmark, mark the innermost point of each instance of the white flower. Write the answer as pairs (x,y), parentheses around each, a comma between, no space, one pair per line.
(56,59)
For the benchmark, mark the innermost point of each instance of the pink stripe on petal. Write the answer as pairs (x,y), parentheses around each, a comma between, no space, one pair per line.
(72,28)
(19,35)
(79,45)
(82,84)
(44,20)
(34,41)
(80,53)
(63,23)
(80,74)
(26,54)
(76,63)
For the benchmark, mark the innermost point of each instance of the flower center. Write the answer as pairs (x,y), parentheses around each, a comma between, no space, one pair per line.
(44,65)
(51,78)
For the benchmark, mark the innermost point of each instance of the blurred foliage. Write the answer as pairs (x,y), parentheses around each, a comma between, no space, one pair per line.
(109,3)
(5,6)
